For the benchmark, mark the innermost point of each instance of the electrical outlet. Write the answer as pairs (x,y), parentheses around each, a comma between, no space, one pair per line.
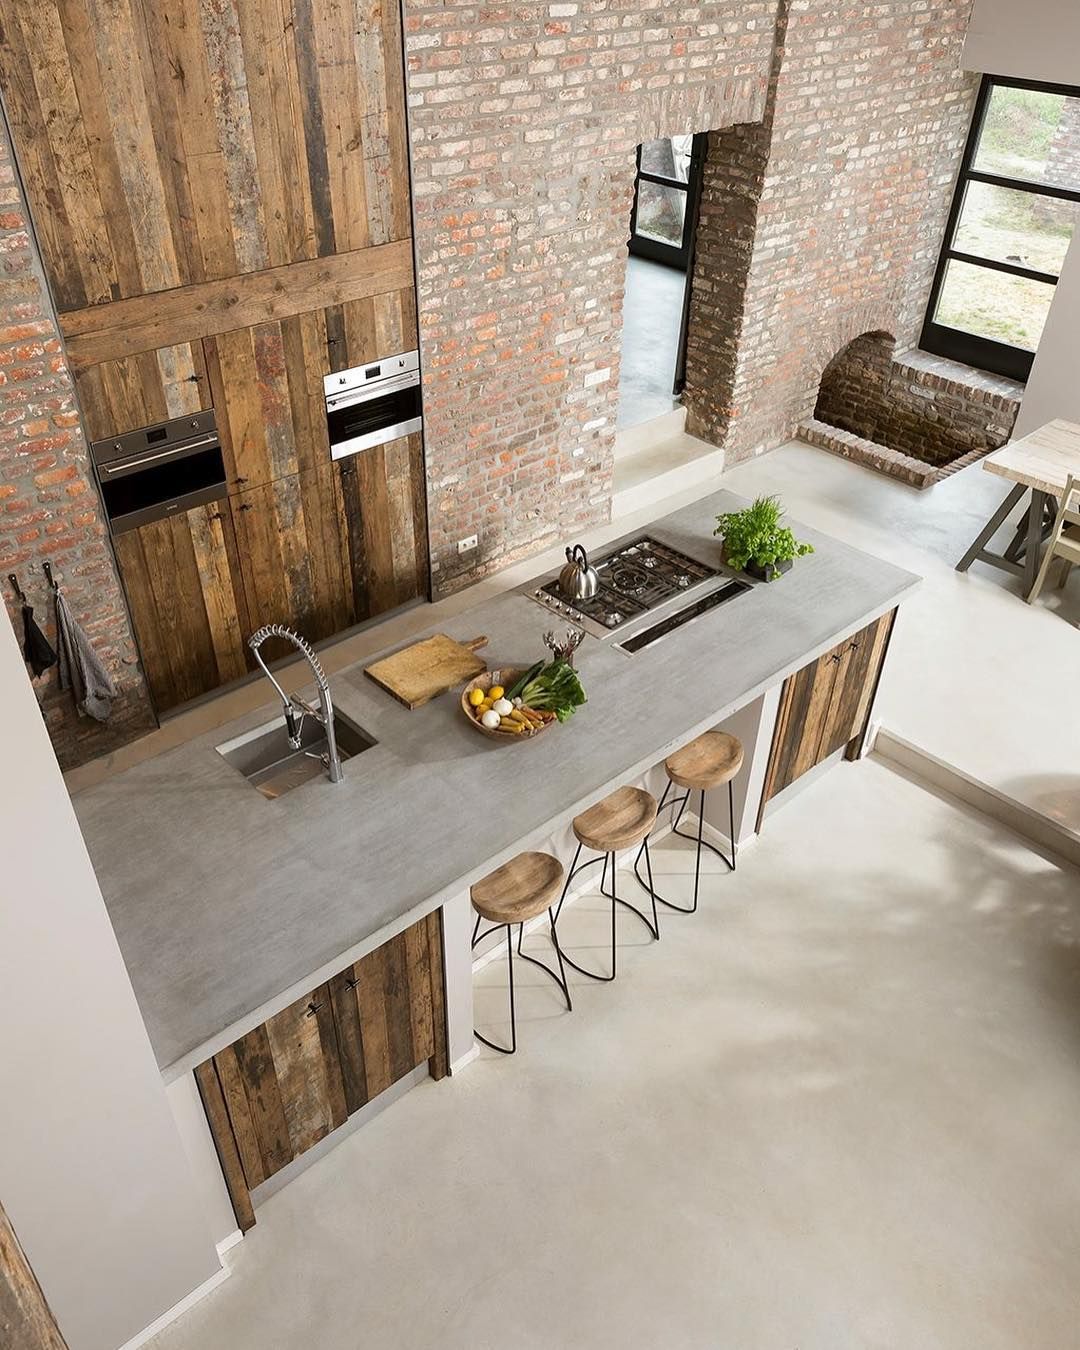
(464,545)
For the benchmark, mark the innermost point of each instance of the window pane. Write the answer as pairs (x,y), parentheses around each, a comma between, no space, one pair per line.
(669,157)
(1012,226)
(993,304)
(661,212)
(1031,135)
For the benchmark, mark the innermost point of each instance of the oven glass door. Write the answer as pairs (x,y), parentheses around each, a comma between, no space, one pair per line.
(373,421)
(157,488)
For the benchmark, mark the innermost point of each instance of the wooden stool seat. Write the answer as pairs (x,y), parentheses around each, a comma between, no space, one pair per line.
(713,758)
(620,821)
(519,889)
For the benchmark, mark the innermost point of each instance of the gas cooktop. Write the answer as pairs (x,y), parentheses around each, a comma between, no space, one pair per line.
(635,579)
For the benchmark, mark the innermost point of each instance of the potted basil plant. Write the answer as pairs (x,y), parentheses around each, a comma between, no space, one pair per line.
(755,541)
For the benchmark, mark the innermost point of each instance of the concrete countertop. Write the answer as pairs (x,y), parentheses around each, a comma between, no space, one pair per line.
(227,906)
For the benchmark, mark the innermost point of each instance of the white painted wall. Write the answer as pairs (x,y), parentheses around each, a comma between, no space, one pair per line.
(1053,387)
(92,1172)
(1037,40)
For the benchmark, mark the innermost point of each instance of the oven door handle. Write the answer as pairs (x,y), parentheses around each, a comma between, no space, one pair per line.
(370,393)
(127,465)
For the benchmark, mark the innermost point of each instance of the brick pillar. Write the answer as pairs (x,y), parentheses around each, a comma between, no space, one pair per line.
(48,499)
(825,221)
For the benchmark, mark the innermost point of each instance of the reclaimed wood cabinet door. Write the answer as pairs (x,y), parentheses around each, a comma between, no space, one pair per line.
(187,607)
(385,1012)
(826,705)
(294,560)
(26,1320)
(284,1086)
(273,1094)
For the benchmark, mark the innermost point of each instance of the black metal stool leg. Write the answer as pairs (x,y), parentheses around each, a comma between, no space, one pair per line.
(559,979)
(698,840)
(654,926)
(731,819)
(477,936)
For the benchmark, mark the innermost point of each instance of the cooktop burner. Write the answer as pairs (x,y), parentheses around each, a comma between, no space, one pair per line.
(634,579)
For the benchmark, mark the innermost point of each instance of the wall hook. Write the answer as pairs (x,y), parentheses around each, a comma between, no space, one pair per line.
(16,588)
(46,567)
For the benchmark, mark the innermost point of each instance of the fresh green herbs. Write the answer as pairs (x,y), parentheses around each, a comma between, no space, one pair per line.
(756,536)
(556,688)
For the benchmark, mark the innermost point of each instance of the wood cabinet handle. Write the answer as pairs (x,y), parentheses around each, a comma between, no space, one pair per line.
(244,506)
(239,480)
(352,984)
(216,515)
(312,1009)
(854,646)
(835,656)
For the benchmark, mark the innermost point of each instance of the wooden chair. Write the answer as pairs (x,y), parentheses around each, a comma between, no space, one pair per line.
(1064,541)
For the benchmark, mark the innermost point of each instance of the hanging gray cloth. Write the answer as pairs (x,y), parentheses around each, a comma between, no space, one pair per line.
(81,669)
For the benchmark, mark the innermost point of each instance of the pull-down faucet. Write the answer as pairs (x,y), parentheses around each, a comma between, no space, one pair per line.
(296,709)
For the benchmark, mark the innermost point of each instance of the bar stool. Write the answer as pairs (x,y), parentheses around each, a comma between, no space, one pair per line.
(620,821)
(517,891)
(709,761)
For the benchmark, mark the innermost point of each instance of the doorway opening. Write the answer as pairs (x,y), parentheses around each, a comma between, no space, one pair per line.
(663,223)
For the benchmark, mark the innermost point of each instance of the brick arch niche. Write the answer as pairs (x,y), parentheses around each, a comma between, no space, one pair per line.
(914,417)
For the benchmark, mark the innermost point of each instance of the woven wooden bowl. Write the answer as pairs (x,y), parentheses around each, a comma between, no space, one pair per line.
(506,678)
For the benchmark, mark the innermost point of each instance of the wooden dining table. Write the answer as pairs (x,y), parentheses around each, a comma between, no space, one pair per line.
(1039,463)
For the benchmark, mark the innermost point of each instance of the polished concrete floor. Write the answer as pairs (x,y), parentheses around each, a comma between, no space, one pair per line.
(835,1110)
(652,315)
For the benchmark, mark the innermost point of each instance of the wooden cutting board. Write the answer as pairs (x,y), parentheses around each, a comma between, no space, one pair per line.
(419,673)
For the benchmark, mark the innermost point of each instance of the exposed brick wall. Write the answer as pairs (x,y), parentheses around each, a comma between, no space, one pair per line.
(49,506)
(934,411)
(525,119)
(866,123)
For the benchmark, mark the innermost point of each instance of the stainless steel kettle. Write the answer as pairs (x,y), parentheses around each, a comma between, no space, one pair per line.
(578,579)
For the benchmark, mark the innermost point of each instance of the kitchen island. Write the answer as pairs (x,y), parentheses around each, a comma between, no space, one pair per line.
(228,906)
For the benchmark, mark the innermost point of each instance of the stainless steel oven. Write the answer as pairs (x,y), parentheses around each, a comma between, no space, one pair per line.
(158,471)
(370,405)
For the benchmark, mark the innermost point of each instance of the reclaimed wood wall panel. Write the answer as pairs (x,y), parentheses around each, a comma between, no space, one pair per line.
(165,146)
(26,1320)
(281,1088)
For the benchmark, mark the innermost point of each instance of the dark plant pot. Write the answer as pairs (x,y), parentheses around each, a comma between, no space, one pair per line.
(769,571)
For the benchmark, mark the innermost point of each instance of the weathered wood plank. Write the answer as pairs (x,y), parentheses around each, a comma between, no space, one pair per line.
(208,525)
(439,1063)
(371,997)
(187,313)
(241,1119)
(350,1038)
(217,1114)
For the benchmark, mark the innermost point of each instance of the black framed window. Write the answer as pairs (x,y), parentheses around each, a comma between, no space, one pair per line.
(666,193)
(1017,200)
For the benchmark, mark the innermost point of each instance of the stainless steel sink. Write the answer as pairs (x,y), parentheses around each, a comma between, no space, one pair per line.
(270,764)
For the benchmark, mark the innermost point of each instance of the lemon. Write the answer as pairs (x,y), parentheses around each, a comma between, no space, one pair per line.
(496,691)
(476,697)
